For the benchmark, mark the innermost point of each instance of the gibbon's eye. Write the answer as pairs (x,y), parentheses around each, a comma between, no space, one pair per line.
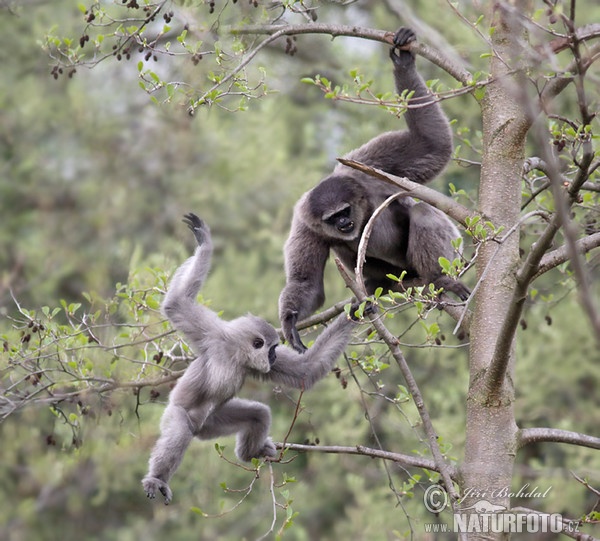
(258,343)
(333,219)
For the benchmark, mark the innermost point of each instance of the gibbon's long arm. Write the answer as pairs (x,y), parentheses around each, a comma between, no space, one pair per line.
(303,370)
(422,151)
(180,304)
(306,255)
(333,214)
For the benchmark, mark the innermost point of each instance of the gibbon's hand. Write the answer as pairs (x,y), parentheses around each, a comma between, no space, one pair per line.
(403,58)
(291,332)
(198,227)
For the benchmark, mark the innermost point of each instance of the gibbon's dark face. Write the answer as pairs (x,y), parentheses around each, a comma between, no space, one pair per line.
(336,205)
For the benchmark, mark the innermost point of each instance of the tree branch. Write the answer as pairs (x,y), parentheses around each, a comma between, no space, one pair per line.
(561,255)
(458,312)
(405,460)
(444,469)
(336,30)
(557,85)
(436,199)
(531,266)
(534,435)
(9,406)
(584,33)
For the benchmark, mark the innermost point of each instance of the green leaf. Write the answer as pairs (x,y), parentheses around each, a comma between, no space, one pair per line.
(181,37)
(445,264)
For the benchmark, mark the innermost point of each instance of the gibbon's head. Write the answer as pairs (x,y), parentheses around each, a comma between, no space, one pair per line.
(337,208)
(255,340)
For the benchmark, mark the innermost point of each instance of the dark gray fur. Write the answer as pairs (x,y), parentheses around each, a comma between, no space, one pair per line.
(202,404)
(408,236)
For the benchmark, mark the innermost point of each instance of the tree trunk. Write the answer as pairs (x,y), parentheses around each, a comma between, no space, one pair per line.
(491,428)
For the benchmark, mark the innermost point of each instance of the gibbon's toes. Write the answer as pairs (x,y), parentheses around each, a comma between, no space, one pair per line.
(462,291)
(166,492)
(151,485)
(269,449)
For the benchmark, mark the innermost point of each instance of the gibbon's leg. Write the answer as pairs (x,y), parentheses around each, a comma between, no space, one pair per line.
(248,419)
(430,237)
(176,435)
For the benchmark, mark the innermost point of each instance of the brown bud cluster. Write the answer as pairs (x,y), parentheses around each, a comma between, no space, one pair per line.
(290,46)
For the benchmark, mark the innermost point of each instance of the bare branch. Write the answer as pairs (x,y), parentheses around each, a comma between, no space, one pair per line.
(534,435)
(335,30)
(361,255)
(405,460)
(561,255)
(459,313)
(585,33)
(324,316)
(557,85)
(436,199)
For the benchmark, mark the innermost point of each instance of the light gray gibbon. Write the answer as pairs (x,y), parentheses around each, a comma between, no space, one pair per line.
(407,236)
(203,404)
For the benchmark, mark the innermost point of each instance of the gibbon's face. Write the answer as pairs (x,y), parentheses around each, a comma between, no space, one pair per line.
(335,205)
(260,339)
(341,220)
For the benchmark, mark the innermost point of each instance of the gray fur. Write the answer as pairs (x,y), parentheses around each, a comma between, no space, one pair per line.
(202,404)
(408,236)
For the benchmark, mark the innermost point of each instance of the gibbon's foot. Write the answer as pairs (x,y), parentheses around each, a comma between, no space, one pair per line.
(267,450)
(152,485)
(450,285)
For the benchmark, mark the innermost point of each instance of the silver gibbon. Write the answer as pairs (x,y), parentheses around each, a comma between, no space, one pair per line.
(408,236)
(203,404)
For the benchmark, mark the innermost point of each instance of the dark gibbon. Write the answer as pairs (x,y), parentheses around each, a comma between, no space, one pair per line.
(407,236)
(203,404)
